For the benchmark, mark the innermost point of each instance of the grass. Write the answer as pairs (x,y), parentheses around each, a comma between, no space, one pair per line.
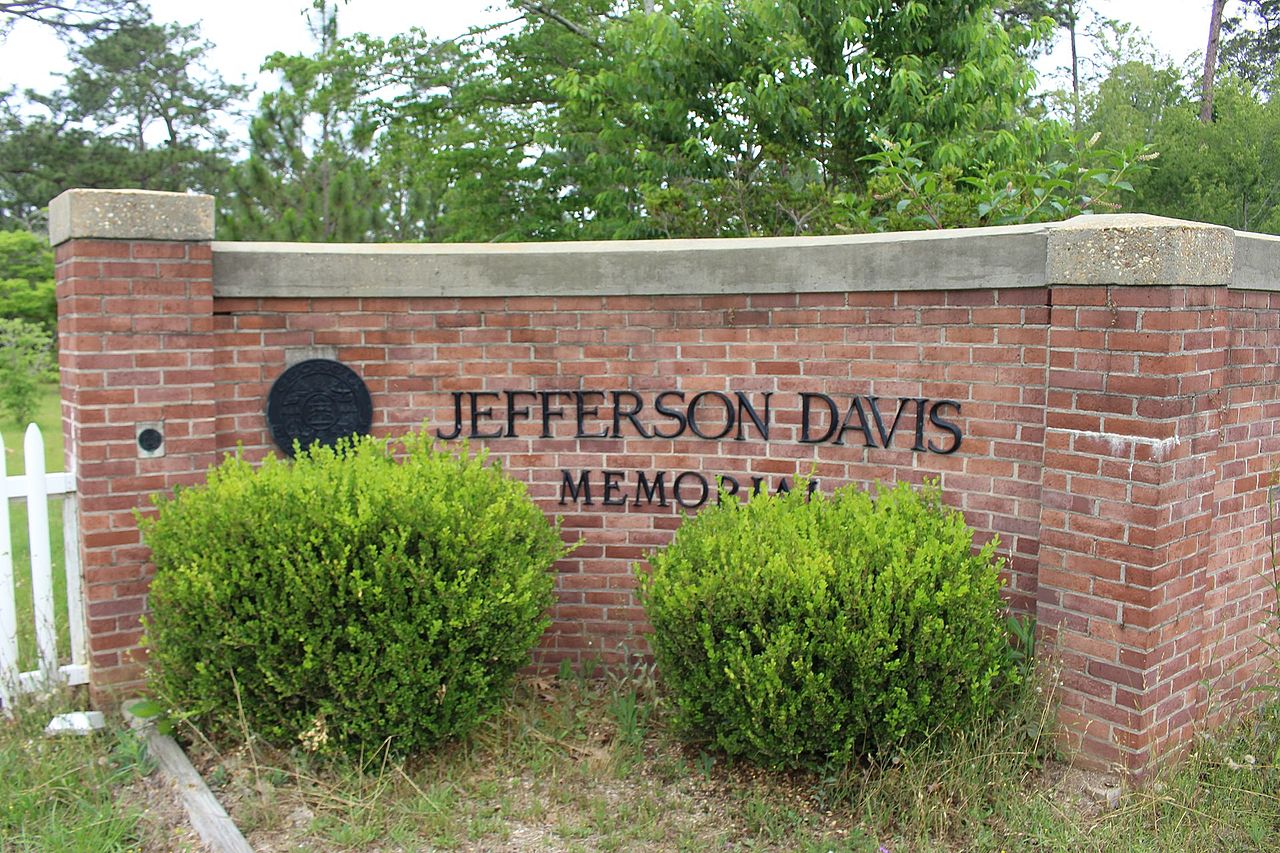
(48,418)
(68,793)
(573,764)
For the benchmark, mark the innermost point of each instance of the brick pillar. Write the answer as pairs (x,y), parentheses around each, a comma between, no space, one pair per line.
(135,319)
(1137,360)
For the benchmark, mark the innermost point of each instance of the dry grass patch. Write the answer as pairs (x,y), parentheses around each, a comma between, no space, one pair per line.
(577,764)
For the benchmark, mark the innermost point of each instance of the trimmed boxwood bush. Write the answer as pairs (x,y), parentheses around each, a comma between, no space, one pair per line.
(805,631)
(358,594)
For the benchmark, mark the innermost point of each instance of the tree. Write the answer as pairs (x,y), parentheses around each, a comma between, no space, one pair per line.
(26,364)
(145,74)
(26,280)
(1227,171)
(760,118)
(1066,15)
(1251,45)
(70,17)
(28,322)
(1132,103)
(470,143)
(1211,60)
(308,175)
(43,154)
(699,118)
(98,130)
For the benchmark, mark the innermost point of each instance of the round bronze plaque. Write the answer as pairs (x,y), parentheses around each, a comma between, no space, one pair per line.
(318,400)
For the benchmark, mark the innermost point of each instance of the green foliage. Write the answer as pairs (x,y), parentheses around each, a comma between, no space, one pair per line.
(68,793)
(475,145)
(133,84)
(26,280)
(797,631)
(751,119)
(1225,172)
(700,119)
(69,19)
(1251,44)
(309,175)
(348,599)
(145,74)
(26,364)
(1133,101)
(908,194)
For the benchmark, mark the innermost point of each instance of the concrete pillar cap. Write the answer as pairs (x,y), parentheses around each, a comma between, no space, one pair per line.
(130,215)
(1139,249)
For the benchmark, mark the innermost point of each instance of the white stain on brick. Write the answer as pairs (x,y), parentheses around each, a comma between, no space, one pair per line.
(1118,443)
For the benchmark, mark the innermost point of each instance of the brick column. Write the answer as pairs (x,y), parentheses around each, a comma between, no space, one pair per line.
(1137,361)
(135,318)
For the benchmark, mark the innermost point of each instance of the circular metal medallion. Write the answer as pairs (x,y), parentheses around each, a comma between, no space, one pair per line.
(318,400)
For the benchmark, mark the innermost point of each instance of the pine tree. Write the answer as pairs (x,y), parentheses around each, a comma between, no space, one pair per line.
(308,177)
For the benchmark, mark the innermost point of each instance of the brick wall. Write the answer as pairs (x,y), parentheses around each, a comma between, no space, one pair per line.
(1113,381)
(134,345)
(982,349)
(1239,575)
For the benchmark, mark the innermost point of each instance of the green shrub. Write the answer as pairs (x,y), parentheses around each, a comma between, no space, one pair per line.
(348,598)
(26,280)
(799,631)
(26,363)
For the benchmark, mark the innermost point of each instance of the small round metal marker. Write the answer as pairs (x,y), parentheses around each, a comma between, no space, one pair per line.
(318,400)
(150,440)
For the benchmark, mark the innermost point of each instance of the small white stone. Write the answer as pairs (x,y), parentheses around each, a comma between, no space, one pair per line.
(1107,793)
(75,723)
(301,817)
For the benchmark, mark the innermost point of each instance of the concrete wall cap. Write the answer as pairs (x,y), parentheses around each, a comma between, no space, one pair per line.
(1257,262)
(130,215)
(1139,249)
(1108,249)
(959,259)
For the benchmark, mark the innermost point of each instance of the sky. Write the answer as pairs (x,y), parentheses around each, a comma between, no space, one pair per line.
(244,32)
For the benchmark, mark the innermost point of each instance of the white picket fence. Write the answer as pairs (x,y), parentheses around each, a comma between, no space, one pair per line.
(36,487)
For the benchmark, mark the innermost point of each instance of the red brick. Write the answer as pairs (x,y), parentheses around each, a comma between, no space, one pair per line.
(1110,539)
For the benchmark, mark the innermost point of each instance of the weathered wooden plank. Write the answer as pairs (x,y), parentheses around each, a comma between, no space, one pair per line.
(209,819)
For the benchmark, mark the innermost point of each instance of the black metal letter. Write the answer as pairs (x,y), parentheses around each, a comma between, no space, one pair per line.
(630,414)
(746,410)
(946,425)
(457,418)
(886,438)
(547,412)
(477,413)
(845,425)
(675,414)
(580,398)
(730,414)
(733,483)
(702,498)
(577,492)
(514,411)
(647,489)
(806,401)
(920,404)
(613,483)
